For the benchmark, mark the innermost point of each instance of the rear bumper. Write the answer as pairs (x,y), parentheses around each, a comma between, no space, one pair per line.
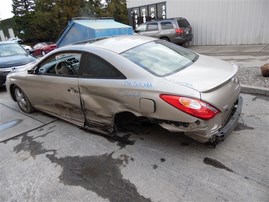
(182,39)
(231,123)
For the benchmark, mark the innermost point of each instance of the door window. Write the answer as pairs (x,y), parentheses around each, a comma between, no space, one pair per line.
(152,26)
(93,66)
(61,64)
(141,28)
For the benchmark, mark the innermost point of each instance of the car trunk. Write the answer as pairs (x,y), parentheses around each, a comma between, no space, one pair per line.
(216,80)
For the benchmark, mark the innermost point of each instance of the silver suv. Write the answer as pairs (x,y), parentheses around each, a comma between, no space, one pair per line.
(176,30)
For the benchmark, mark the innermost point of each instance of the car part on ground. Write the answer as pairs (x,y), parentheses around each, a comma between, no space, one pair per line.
(92,84)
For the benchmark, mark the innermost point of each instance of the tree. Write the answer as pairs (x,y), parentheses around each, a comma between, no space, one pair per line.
(116,9)
(22,7)
(90,8)
(44,20)
(23,11)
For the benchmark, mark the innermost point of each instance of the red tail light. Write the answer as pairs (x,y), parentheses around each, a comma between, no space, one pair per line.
(179,31)
(194,107)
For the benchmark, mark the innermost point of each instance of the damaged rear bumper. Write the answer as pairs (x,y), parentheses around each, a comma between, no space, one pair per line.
(231,123)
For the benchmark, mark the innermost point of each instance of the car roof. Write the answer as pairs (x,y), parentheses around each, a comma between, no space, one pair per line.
(116,44)
(121,43)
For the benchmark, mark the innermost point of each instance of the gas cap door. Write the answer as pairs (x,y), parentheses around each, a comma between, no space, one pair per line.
(147,105)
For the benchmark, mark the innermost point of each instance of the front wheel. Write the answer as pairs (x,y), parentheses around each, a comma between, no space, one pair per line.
(22,100)
(165,39)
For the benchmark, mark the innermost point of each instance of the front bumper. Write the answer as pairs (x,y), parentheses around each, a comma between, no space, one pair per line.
(231,123)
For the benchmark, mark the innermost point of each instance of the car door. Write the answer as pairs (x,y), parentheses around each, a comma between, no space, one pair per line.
(99,82)
(54,87)
(152,29)
(148,29)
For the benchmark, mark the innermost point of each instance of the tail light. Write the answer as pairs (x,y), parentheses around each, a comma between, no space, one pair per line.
(179,31)
(194,107)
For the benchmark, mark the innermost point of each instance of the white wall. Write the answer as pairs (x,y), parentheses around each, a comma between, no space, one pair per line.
(219,22)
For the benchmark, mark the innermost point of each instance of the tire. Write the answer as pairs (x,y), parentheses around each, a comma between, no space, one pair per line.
(165,39)
(23,101)
(43,53)
(186,44)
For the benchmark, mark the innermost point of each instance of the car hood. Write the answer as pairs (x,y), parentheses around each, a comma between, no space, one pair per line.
(205,74)
(16,60)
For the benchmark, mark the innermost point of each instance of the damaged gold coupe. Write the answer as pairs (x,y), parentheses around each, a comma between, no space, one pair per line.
(91,84)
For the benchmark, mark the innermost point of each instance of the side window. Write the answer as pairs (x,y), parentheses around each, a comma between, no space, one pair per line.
(152,26)
(141,28)
(61,64)
(166,25)
(92,66)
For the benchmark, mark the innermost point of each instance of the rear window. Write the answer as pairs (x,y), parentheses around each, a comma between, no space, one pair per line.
(161,58)
(183,23)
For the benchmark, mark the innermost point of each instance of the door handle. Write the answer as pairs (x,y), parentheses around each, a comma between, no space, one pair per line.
(72,90)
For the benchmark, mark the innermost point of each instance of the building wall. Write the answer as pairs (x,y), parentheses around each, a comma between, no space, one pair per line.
(6,30)
(220,22)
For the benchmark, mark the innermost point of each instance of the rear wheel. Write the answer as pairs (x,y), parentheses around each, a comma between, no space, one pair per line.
(22,100)
(186,44)
(43,53)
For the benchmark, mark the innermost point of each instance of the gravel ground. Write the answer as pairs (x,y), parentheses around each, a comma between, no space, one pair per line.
(249,58)
(252,76)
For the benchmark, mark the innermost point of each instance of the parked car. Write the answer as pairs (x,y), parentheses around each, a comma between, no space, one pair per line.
(12,55)
(16,39)
(175,30)
(29,49)
(93,84)
(43,48)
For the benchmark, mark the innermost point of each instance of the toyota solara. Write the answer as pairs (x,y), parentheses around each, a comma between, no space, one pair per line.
(91,84)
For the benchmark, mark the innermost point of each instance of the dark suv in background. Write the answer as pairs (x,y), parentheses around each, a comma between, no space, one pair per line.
(176,30)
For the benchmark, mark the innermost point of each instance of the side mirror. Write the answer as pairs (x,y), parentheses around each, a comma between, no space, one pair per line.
(31,71)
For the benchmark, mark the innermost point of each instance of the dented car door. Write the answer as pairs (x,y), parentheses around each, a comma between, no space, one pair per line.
(99,81)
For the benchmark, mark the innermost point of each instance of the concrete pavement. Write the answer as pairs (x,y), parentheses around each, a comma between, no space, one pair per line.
(52,160)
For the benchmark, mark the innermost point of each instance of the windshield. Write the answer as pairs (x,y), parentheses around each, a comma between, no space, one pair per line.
(161,58)
(11,49)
